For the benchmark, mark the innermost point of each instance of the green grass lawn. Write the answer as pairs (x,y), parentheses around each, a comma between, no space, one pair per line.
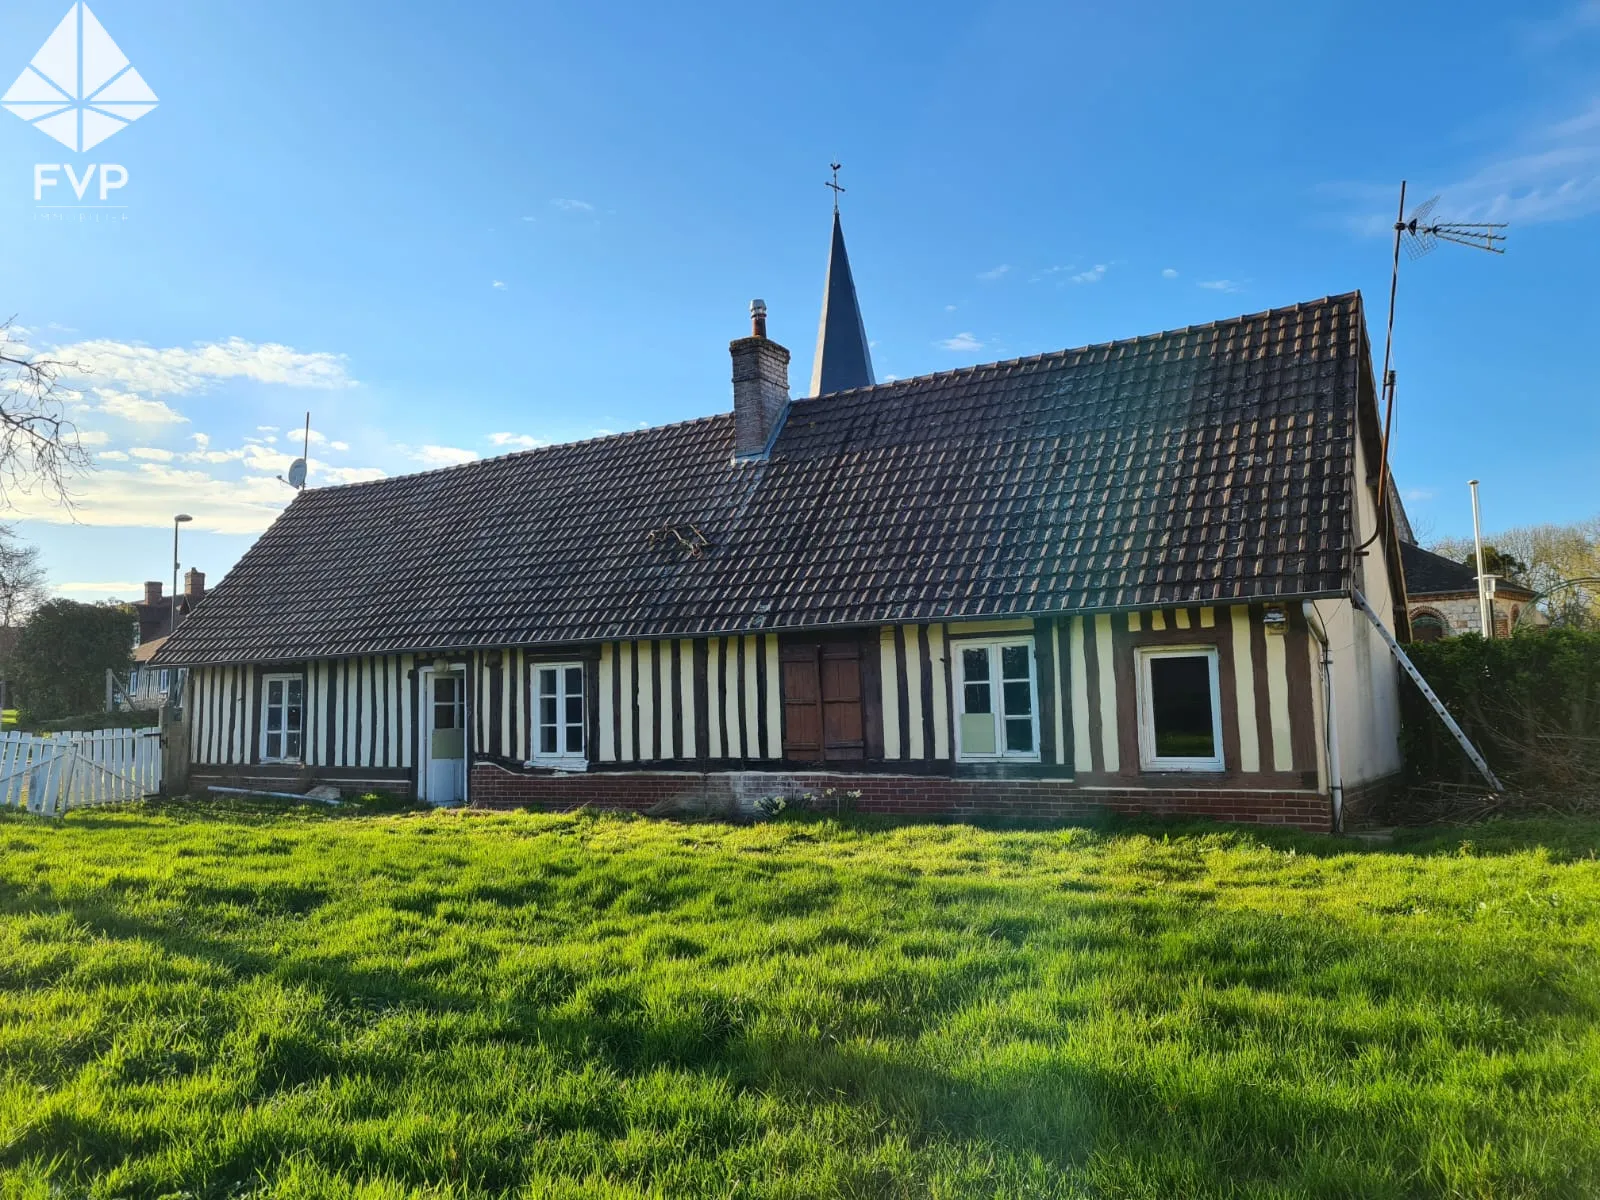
(223,1002)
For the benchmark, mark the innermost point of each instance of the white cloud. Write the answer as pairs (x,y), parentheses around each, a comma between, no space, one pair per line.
(521,441)
(93,437)
(266,429)
(177,370)
(1219,285)
(133,408)
(1093,275)
(566,205)
(961,341)
(120,585)
(949,308)
(201,440)
(325,474)
(112,456)
(147,495)
(994,272)
(499,285)
(1417,495)
(443,456)
(1169,273)
(152,454)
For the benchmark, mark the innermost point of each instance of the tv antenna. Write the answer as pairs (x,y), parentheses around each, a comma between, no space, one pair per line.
(1421,234)
(297,469)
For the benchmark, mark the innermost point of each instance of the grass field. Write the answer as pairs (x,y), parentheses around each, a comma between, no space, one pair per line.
(228,1002)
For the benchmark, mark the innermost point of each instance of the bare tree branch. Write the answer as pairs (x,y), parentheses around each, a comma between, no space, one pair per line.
(39,444)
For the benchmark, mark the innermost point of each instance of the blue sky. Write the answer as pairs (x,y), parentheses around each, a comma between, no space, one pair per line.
(455,231)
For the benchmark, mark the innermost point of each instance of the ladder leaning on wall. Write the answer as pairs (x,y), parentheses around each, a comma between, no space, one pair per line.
(1428,694)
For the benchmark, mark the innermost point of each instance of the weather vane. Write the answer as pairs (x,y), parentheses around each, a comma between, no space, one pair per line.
(1420,234)
(834,184)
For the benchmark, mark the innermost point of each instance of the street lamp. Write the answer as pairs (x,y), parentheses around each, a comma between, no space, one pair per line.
(180,519)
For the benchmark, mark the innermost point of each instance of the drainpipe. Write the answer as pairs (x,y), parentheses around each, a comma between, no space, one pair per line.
(1330,714)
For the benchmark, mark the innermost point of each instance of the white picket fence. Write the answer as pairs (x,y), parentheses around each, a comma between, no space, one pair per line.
(50,773)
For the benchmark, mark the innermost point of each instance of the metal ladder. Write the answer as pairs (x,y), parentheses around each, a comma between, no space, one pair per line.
(1438,704)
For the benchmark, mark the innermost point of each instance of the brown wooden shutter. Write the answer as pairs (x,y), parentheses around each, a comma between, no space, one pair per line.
(802,703)
(841,702)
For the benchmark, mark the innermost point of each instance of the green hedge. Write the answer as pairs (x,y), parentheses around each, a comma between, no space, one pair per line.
(1531,703)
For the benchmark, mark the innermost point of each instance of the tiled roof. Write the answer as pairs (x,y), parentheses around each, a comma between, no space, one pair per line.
(1203,464)
(1430,574)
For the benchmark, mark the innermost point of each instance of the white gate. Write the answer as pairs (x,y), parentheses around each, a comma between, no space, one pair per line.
(50,773)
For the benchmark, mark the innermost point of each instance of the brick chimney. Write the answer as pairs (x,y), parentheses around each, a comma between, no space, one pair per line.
(152,591)
(760,387)
(194,584)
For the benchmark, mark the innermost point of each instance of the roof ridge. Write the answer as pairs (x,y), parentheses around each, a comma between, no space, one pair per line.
(1095,346)
(527,452)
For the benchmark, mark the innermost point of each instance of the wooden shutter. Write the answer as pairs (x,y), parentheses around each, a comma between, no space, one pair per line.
(802,703)
(841,702)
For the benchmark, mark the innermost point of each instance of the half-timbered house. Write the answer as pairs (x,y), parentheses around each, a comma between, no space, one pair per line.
(1117,577)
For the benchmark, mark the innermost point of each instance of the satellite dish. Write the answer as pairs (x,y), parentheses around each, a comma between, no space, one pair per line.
(297,473)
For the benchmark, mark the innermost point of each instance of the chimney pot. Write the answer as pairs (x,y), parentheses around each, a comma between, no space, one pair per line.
(760,386)
(152,591)
(194,584)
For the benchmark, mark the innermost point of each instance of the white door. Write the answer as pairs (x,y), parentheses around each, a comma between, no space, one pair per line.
(442,756)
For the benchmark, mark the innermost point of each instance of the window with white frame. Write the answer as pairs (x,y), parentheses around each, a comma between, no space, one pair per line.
(162,680)
(558,709)
(1180,709)
(997,701)
(282,717)
(133,682)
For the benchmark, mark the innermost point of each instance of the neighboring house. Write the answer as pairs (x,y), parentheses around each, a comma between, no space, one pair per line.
(151,686)
(1036,588)
(154,612)
(1442,598)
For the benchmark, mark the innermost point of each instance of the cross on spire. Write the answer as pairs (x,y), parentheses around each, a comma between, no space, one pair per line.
(834,184)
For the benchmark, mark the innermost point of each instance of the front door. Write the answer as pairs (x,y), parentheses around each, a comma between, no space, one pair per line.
(442,757)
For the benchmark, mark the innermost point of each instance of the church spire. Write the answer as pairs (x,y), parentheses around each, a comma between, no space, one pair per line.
(843,359)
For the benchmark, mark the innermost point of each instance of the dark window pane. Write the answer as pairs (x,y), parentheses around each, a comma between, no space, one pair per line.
(1019,699)
(574,709)
(1180,702)
(1013,662)
(976,698)
(574,739)
(274,719)
(1019,735)
(975,665)
(274,691)
(547,710)
(294,746)
(547,739)
(274,745)
(295,687)
(575,681)
(547,682)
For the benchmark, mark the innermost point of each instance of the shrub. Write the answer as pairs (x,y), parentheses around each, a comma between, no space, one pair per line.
(1531,703)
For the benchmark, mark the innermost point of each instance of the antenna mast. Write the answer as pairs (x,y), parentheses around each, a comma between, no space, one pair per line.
(1420,235)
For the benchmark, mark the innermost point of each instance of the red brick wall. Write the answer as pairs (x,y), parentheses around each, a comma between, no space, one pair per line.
(902,795)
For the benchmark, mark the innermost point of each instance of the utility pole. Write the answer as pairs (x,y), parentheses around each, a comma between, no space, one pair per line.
(1486,620)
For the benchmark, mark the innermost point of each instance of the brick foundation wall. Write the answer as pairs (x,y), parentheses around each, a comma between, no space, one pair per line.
(897,795)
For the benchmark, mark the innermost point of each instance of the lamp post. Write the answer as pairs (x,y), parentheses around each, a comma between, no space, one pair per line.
(180,519)
(1485,616)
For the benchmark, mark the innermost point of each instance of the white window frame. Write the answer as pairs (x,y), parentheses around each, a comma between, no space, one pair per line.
(1148,759)
(997,696)
(562,759)
(135,677)
(266,691)
(162,680)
